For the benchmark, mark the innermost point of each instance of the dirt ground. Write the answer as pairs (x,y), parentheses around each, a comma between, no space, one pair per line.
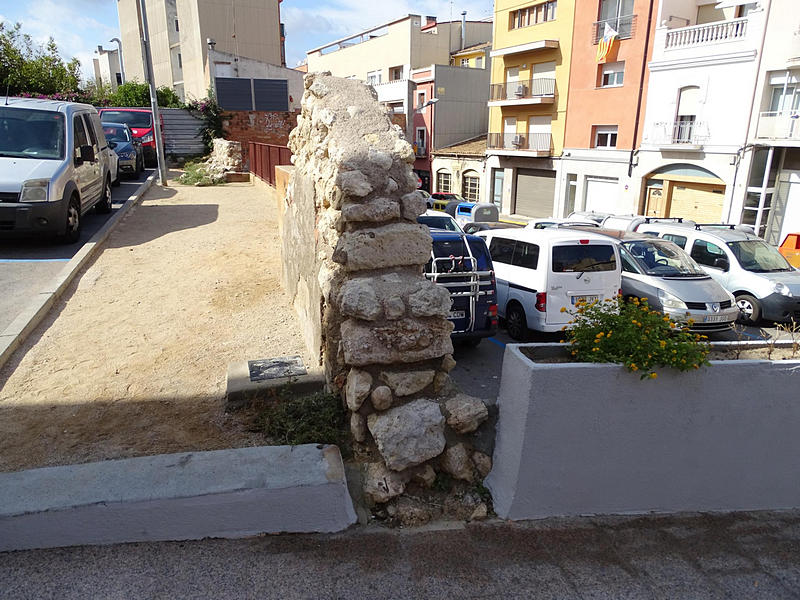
(132,359)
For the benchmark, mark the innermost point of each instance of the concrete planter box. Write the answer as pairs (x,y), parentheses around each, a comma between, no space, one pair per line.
(585,438)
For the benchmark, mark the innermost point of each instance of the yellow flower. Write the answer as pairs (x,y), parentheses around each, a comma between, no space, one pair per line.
(672,325)
(563,309)
(666,318)
(599,335)
(662,343)
(595,349)
(634,367)
(653,375)
(643,299)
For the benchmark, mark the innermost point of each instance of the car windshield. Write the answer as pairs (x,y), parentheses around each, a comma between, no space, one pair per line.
(758,256)
(662,258)
(116,133)
(581,258)
(132,119)
(435,222)
(28,133)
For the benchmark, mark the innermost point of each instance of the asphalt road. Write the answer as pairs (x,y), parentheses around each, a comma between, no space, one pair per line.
(27,265)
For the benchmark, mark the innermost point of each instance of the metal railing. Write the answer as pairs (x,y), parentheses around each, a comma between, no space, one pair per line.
(420,150)
(519,90)
(680,132)
(265,157)
(708,33)
(535,142)
(779,125)
(625,26)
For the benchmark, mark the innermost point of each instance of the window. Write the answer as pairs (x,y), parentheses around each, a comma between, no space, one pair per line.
(79,134)
(420,137)
(374,77)
(502,250)
(574,258)
(90,128)
(706,253)
(464,62)
(618,14)
(471,186)
(784,100)
(688,106)
(176,25)
(180,61)
(443,182)
(421,97)
(678,240)
(539,13)
(612,74)
(396,73)
(605,136)
(497,185)
(525,255)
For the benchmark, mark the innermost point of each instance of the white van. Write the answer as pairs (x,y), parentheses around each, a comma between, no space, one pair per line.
(541,271)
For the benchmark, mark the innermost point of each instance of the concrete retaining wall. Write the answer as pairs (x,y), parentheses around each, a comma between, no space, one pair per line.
(225,493)
(578,438)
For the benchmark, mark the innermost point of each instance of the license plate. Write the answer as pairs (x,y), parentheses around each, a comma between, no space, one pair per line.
(585,299)
(456,314)
(715,319)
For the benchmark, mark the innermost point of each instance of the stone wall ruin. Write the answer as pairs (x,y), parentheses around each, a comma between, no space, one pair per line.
(353,257)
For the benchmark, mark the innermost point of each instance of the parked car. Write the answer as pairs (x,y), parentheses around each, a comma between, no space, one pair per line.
(543,222)
(790,248)
(54,167)
(126,146)
(436,219)
(441,199)
(140,121)
(542,271)
(764,284)
(672,282)
(489,226)
(427,197)
(591,215)
(632,222)
(461,263)
(113,164)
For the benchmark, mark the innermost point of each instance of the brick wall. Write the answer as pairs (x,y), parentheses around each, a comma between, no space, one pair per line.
(258,126)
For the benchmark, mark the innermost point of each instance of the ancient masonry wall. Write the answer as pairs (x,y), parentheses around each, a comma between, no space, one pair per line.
(353,256)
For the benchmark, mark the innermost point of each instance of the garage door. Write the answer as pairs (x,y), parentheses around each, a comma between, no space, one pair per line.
(535,189)
(601,194)
(699,202)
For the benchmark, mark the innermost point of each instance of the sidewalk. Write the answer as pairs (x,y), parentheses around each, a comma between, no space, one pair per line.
(744,556)
(132,359)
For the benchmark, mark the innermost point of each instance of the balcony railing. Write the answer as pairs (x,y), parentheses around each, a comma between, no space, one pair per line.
(625,27)
(519,90)
(709,33)
(779,125)
(682,132)
(420,151)
(532,142)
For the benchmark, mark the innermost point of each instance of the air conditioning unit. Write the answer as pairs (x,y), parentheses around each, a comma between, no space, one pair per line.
(521,91)
(518,140)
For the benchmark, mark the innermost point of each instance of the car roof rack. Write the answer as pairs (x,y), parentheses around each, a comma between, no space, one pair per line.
(725,225)
(649,220)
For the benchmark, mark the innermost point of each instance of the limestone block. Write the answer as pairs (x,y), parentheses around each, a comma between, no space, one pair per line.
(381,398)
(397,244)
(381,484)
(448,363)
(403,150)
(404,341)
(359,299)
(430,300)
(379,159)
(376,211)
(465,413)
(358,427)
(394,307)
(413,205)
(455,462)
(411,382)
(408,435)
(480,512)
(441,381)
(319,89)
(358,385)
(482,462)
(354,183)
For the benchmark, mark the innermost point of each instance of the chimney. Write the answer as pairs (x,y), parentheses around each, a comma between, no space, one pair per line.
(429,20)
(463,29)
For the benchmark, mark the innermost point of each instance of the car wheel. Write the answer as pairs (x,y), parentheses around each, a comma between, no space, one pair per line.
(72,227)
(104,205)
(749,309)
(516,323)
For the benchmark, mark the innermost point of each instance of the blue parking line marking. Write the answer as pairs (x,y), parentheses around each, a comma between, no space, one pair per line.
(32,260)
(750,335)
(498,342)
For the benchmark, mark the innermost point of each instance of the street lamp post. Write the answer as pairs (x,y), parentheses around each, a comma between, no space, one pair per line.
(162,167)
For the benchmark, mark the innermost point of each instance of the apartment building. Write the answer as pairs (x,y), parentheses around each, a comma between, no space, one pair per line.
(107,68)
(431,75)
(182,32)
(606,106)
(530,75)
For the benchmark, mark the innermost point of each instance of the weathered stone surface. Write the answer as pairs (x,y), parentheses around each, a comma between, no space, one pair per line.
(396,244)
(358,427)
(376,211)
(424,476)
(381,484)
(465,413)
(381,398)
(379,158)
(482,462)
(357,388)
(448,363)
(441,381)
(394,308)
(354,183)
(404,341)
(408,435)
(480,512)
(413,205)
(407,383)
(455,462)
(430,300)
(359,299)
(411,512)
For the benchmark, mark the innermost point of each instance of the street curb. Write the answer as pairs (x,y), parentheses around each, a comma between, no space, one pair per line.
(26,321)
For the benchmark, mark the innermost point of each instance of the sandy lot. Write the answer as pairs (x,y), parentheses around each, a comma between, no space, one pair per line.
(132,360)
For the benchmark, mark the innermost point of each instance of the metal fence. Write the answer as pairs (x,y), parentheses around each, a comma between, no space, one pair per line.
(234,93)
(182,132)
(526,88)
(265,157)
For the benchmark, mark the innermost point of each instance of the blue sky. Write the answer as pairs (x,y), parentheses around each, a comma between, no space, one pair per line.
(79,26)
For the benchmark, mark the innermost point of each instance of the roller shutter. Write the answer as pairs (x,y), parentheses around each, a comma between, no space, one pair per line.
(697,201)
(601,194)
(535,191)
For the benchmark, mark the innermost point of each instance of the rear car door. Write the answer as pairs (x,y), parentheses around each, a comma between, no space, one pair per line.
(502,252)
(84,170)
(98,162)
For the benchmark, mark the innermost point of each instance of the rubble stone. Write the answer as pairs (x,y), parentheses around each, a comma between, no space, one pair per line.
(381,484)
(376,211)
(424,476)
(358,299)
(448,363)
(480,512)
(482,462)
(441,381)
(455,462)
(394,308)
(413,205)
(357,388)
(404,341)
(381,398)
(354,183)
(407,383)
(430,300)
(465,413)
(393,245)
(358,427)
(408,435)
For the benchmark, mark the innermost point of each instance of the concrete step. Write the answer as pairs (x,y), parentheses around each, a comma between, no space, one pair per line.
(193,495)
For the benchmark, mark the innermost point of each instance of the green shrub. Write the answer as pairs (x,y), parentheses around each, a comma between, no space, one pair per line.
(633,334)
(196,173)
(315,419)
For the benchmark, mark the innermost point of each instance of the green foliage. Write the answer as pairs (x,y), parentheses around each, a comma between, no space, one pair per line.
(631,333)
(195,173)
(315,419)
(133,93)
(211,114)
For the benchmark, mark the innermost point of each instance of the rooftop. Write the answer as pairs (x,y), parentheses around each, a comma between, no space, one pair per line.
(472,147)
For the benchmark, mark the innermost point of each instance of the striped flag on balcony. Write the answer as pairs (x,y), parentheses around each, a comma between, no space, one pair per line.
(604,45)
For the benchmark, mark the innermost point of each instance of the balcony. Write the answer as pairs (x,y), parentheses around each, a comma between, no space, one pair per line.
(779,126)
(532,144)
(625,27)
(515,93)
(420,150)
(681,135)
(706,34)
(525,48)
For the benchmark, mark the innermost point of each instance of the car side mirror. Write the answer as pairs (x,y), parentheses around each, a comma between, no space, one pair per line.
(722,263)
(87,154)
(112,145)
